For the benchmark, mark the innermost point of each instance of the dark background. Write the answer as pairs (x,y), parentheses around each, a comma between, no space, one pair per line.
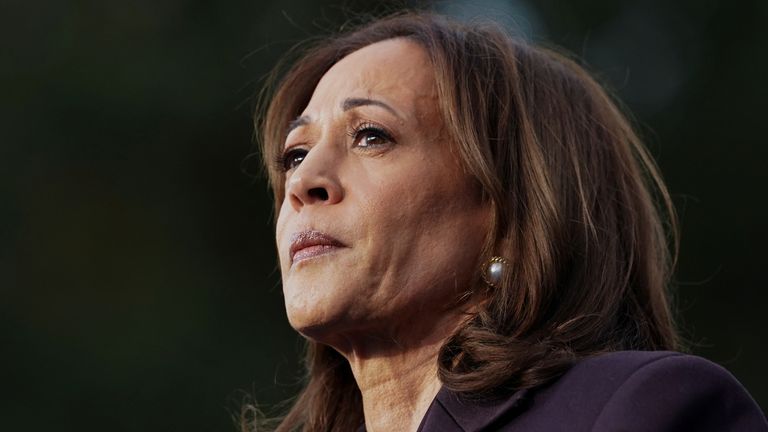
(138,289)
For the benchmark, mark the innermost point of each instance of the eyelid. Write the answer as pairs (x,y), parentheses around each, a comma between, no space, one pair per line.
(364,125)
(287,139)
(300,140)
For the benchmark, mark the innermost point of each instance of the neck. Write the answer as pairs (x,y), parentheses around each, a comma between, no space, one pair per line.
(396,371)
(397,389)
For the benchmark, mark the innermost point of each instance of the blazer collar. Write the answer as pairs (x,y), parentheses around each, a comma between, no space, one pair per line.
(449,412)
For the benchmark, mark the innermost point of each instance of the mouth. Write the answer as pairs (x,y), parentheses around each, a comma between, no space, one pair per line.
(310,244)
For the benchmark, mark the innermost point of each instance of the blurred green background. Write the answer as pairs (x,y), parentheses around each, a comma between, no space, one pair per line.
(138,280)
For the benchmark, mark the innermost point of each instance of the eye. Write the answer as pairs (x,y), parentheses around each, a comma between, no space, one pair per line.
(291,159)
(369,135)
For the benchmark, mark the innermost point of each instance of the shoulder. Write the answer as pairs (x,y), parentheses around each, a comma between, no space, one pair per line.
(650,391)
(613,371)
(629,391)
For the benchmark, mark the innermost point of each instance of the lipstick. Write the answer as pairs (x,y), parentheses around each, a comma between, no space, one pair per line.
(311,244)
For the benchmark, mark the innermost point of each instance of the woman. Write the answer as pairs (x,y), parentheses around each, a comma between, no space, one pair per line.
(468,240)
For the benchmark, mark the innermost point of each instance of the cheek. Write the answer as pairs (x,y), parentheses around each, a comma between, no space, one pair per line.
(433,228)
(415,197)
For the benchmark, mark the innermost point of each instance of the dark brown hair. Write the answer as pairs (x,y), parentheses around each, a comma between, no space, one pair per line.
(573,192)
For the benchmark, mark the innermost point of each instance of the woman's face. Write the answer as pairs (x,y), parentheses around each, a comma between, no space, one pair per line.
(380,229)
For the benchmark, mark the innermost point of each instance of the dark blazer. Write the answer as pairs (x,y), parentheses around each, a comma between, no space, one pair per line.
(629,391)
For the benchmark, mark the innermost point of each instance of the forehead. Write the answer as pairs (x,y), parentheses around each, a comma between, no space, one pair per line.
(395,70)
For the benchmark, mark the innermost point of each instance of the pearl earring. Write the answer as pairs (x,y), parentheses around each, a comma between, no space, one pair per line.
(493,270)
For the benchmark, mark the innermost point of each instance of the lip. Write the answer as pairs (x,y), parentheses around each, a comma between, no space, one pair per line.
(311,244)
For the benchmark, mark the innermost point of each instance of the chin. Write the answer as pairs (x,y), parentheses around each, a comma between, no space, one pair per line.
(324,318)
(318,331)
(322,330)
(302,316)
(308,308)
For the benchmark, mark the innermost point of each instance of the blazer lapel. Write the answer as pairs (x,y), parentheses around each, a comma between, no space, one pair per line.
(450,413)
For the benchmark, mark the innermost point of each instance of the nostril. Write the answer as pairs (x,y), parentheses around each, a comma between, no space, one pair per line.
(319,193)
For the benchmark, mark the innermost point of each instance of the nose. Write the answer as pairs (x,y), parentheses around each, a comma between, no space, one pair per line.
(315,181)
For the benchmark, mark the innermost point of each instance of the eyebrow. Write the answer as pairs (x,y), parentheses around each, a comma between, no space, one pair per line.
(300,121)
(350,103)
(347,105)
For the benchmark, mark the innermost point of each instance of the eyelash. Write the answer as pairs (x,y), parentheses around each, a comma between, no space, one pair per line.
(288,159)
(369,128)
(284,161)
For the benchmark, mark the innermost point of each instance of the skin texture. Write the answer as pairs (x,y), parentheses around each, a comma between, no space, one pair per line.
(409,221)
